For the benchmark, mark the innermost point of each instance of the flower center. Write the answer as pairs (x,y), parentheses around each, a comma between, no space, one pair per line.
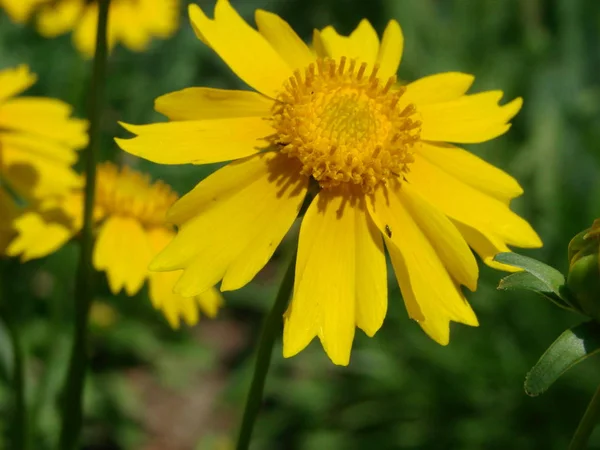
(129,193)
(345,127)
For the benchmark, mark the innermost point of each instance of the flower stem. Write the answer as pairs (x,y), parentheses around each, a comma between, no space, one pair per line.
(270,330)
(11,314)
(72,406)
(587,423)
(21,430)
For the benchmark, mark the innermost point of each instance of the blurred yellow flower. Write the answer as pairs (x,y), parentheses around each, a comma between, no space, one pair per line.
(38,143)
(102,315)
(20,10)
(130,212)
(332,117)
(131,22)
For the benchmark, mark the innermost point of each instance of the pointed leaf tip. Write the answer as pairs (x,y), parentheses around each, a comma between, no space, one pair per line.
(551,278)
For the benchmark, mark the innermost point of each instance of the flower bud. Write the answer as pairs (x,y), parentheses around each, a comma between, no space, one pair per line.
(583,279)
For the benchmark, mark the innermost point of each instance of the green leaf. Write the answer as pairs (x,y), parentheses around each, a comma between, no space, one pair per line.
(571,347)
(528,281)
(552,280)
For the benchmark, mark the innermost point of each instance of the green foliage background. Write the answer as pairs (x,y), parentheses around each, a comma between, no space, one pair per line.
(153,388)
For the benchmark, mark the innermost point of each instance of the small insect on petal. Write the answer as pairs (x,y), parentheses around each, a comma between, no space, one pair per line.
(388,231)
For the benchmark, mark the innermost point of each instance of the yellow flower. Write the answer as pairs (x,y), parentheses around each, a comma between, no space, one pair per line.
(333,118)
(20,10)
(130,212)
(132,22)
(38,143)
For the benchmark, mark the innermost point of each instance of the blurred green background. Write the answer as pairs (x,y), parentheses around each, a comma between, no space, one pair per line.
(153,388)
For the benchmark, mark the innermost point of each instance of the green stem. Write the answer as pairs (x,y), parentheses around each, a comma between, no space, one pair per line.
(270,330)
(587,423)
(12,314)
(72,407)
(21,429)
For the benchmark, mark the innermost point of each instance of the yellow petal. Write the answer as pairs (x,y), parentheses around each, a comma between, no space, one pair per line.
(35,177)
(441,87)
(371,274)
(390,52)
(20,10)
(129,26)
(123,251)
(365,42)
(161,284)
(40,147)
(431,296)
(362,44)
(323,303)
(38,237)
(486,245)
(171,304)
(44,117)
(468,119)
(84,36)
(231,38)
(319,45)
(449,244)
(470,206)
(160,18)
(232,222)
(284,39)
(159,238)
(59,17)
(174,306)
(197,141)
(472,170)
(210,301)
(14,81)
(207,103)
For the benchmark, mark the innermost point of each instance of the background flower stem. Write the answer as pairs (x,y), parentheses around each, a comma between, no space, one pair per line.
(72,406)
(587,423)
(270,330)
(21,431)
(10,311)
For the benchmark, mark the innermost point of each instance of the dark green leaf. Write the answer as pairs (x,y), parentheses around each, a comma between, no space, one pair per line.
(571,347)
(527,281)
(552,280)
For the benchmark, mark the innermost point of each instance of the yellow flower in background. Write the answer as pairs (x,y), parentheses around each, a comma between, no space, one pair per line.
(130,212)
(378,154)
(38,144)
(131,22)
(19,11)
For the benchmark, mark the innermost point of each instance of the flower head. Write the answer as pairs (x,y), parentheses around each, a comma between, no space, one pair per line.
(583,278)
(131,22)
(130,212)
(38,144)
(333,115)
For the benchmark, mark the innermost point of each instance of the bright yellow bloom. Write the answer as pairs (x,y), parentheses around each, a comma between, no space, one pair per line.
(38,143)
(130,212)
(332,117)
(131,22)
(20,10)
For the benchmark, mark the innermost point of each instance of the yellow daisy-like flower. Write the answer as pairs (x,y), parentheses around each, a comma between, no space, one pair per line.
(332,117)
(20,10)
(131,22)
(38,144)
(130,212)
